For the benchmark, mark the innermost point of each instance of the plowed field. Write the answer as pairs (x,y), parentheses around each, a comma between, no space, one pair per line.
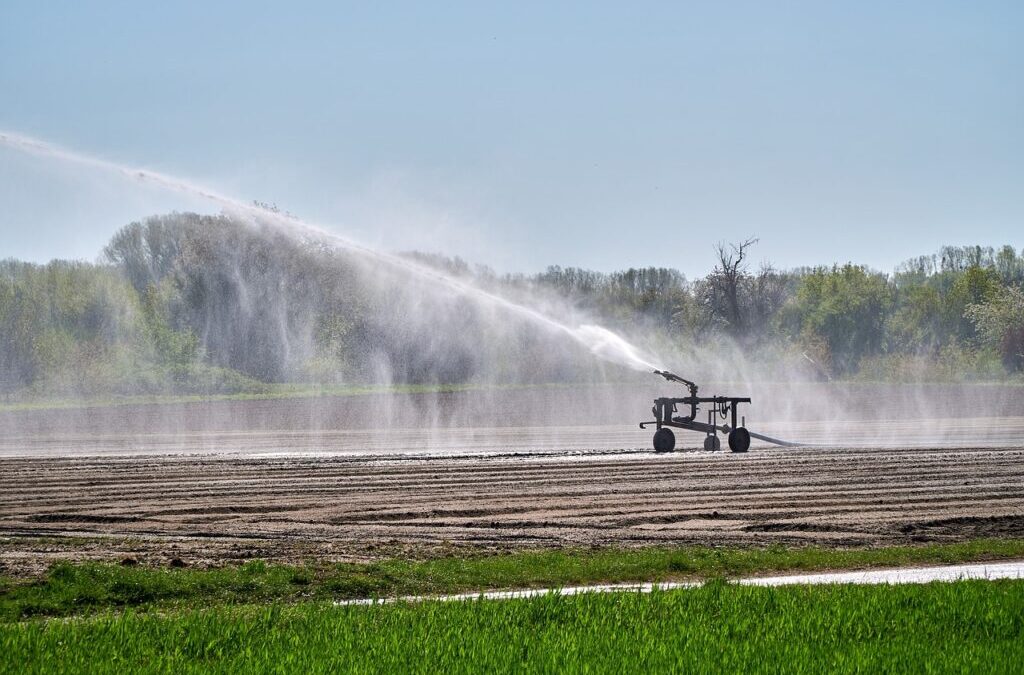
(212,494)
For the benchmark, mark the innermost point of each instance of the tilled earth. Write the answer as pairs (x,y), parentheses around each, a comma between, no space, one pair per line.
(209,509)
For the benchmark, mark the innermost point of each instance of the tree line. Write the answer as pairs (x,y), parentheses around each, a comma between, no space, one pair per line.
(191,303)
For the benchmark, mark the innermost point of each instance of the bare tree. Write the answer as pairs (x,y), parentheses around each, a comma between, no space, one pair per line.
(729,275)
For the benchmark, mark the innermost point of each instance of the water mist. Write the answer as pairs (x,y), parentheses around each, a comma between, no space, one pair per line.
(601,342)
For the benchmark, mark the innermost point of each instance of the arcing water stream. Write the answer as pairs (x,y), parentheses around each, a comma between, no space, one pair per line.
(601,342)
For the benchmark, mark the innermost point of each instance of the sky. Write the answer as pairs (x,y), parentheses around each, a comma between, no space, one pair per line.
(521,135)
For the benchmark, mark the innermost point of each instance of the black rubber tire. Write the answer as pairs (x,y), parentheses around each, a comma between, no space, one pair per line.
(664,440)
(739,439)
(712,444)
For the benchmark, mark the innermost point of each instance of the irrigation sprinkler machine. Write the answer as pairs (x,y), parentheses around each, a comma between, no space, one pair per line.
(721,417)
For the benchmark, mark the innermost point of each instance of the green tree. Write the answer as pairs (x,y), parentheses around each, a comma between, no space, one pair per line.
(175,349)
(844,307)
(916,325)
(975,285)
(1000,325)
(1009,266)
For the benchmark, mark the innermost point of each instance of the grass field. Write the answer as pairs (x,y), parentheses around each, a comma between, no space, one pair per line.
(267,392)
(75,589)
(271,391)
(961,627)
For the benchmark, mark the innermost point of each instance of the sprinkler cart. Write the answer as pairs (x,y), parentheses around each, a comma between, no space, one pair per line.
(721,408)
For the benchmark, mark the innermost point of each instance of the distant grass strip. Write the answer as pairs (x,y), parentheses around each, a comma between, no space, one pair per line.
(973,626)
(269,392)
(274,391)
(74,589)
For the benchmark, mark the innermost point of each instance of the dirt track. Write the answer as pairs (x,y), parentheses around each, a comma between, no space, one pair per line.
(213,509)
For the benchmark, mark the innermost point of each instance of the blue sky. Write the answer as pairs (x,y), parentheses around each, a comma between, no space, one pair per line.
(527,134)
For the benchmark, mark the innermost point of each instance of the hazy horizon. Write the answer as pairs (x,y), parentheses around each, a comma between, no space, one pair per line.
(754,257)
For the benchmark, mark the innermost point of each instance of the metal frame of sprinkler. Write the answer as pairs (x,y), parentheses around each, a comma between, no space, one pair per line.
(722,407)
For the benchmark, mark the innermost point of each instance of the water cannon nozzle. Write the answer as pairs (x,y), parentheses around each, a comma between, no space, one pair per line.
(672,377)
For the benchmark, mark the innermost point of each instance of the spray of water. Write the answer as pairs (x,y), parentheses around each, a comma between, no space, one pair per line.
(600,341)
(820,412)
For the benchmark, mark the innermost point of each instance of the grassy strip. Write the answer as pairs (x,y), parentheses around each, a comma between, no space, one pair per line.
(274,391)
(957,627)
(70,589)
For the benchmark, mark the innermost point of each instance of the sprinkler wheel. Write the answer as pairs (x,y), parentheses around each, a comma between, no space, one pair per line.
(664,440)
(739,440)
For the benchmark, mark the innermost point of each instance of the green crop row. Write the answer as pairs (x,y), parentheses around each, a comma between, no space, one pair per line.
(959,627)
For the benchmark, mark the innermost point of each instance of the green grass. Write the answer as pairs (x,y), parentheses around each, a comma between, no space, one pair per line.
(959,627)
(271,391)
(268,392)
(76,589)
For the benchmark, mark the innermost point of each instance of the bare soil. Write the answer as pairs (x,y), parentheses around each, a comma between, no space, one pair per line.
(364,477)
(212,509)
